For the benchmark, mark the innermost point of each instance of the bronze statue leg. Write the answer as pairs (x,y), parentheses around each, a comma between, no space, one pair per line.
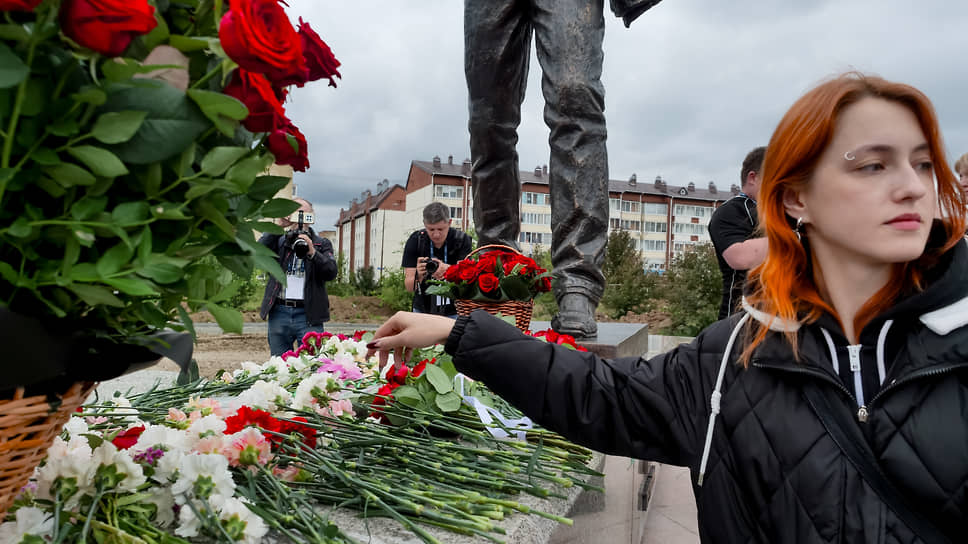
(568,37)
(497,43)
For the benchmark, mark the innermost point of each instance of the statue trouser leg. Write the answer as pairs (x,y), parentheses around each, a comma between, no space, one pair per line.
(569,35)
(497,43)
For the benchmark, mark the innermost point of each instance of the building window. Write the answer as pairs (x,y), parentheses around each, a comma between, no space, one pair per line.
(529,218)
(615,204)
(534,237)
(615,223)
(693,211)
(655,208)
(652,245)
(630,225)
(456,213)
(654,226)
(449,191)
(535,199)
(629,206)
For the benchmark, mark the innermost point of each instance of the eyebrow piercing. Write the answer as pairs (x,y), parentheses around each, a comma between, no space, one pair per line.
(849,156)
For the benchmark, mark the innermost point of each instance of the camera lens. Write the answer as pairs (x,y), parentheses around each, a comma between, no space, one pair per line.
(301,248)
(432,267)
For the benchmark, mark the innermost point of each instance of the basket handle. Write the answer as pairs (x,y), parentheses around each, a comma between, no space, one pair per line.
(496,246)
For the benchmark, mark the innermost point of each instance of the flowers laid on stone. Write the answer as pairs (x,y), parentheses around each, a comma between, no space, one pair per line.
(495,275)
(267,445)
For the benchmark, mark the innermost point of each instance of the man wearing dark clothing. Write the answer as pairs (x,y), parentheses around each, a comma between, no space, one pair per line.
(441,246)
(731,229)
(302,305)
(568,39)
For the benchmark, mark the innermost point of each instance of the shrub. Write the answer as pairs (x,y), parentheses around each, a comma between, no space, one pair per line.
(628,288)
(393,292)
(692,289)
(364,280)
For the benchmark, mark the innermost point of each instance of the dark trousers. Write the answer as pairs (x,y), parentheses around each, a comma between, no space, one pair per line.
(287,326)
(568,36)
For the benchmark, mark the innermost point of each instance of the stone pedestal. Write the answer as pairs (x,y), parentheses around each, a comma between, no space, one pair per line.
(613,340)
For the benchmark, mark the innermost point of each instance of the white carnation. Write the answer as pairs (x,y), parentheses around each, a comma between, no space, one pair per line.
(265,394)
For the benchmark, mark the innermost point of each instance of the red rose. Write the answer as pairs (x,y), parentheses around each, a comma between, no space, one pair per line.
(487,262)
(453,273)
(258,36)
(319,58)
(488,282)
(106,26)
(421,366)
(400,377)
(289,147)
(18,5)
(544,284)
(467,272)
(128,438)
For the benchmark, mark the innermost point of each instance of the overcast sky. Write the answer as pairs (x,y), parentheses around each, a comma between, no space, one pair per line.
(689,88)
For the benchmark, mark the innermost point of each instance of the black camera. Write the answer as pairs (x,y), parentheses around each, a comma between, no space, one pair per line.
(299,246)
(432,267)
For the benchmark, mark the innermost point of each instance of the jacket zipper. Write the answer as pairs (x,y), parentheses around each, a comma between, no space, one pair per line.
(863,413)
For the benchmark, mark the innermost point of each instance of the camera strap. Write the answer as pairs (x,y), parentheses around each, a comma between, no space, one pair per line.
(438,301)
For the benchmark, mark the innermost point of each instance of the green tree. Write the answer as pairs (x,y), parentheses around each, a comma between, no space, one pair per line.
(692,290)
(365,281)
(628,288)
(545,305)
(393,292)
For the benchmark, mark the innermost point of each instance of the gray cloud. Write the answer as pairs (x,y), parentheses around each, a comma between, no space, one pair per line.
(690,87)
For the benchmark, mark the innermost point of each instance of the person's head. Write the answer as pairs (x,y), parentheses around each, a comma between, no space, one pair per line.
(860,161)
(750,175)
(436,218)
(961,168)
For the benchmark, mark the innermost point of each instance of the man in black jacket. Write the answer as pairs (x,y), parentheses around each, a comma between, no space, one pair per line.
(433,249)
(302,305)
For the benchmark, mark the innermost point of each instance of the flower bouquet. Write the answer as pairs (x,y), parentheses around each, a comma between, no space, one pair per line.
(501,281)
(134,140)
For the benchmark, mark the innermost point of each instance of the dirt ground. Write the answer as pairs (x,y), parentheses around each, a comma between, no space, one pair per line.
(228,351)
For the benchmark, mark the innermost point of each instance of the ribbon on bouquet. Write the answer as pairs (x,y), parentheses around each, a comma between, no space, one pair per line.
(487,415)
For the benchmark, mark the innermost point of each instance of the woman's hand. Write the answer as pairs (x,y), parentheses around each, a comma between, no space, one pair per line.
(405,331)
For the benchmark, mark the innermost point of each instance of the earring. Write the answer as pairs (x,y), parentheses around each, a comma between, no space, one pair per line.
(849,156)
(798,230)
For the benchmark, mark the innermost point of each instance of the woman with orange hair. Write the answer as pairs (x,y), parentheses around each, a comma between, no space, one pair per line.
(835,407)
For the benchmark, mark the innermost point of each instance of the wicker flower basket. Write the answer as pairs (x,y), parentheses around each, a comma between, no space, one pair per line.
(520,309)
(28,427)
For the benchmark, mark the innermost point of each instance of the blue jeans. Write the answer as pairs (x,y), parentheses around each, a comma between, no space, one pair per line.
(287,326)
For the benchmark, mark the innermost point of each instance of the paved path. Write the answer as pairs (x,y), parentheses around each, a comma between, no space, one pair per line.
(671,518)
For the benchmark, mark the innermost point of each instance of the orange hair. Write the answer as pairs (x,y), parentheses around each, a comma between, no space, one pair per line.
(783,284)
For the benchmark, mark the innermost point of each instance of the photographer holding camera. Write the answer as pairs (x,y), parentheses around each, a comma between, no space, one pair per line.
(302,305)
(428,253)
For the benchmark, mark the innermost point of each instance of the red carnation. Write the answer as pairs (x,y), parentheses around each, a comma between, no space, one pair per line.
(248,417)
(258,36)
(319,58)
(488,282)
(265,106)
(289,147)
(105,26)
(296,426)
(128,438)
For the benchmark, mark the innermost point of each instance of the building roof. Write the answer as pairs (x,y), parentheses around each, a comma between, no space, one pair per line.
(658,187)
(367,202)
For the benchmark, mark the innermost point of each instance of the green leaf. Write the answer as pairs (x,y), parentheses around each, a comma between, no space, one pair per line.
(517,287)
(219,159)
(117,126)
(20,228)
(279,207)
(132,286)
(84,272)
(12,69)
(183,166)
(223,110)
(95,295)
(448,402)
(64,128)
(408,395)
(130,213)
(88,207)
(160,33)
(119,69)
(45,156)
(168,210)
(51,187)
(243,174)
(90,95)
(266,187)
(187,44)
(172,122)
(438,378)
(114,259)
(162,272)
(13,32)
(229,319)
(36,97)
(101,161)
(270,264)
(69,175)
(7,272)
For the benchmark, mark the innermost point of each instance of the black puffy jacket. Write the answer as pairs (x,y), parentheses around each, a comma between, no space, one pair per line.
(774,474)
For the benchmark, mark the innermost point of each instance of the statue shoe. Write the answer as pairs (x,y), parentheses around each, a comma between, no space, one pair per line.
(576,316)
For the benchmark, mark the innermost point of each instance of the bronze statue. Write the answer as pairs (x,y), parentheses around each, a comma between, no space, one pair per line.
(568,36)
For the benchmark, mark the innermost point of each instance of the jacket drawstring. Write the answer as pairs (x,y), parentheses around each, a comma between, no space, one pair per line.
(881,340)
(715,398)
(855,352)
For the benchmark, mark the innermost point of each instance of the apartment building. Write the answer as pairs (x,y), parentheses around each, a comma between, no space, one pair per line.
(662,219)
(372,232)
